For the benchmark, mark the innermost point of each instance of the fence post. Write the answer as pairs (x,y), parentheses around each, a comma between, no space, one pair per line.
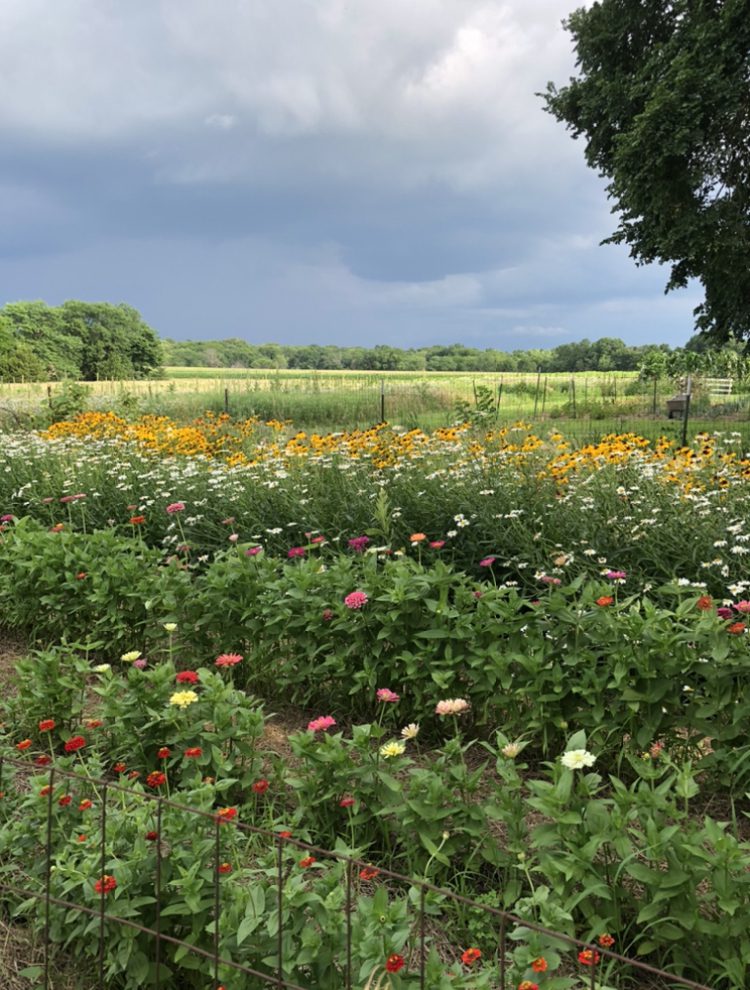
(382,400)
(544,395)
(656,382)
(226,400)
(686,411)
(573,395)
(499,397)
(536,394)
(49,396)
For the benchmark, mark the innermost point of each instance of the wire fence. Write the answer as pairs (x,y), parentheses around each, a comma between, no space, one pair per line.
(582,406)
(215,958)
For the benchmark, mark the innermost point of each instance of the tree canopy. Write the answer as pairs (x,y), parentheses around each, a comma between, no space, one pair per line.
(663,102)
(80,340)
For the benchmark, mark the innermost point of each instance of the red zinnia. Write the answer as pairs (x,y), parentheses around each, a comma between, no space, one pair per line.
(227,814)
(307,861)
(588,957)
(24,744)
(528,985)
(285,835)
(65,800)
(119,768)
(605,600)
(74,743)
(346,802)
(260,786)
(45,791)
(470,956)
(105,885)
(736,629)
(85,805)
(46,724)
(164,753)
(137,520)
(394,963)
(224,868)
(194,751)
(187,677)
(368,873)
(42,761)
(704,603)
(606,941)
(152,836)
(94,723)
(539,965)
(156,778)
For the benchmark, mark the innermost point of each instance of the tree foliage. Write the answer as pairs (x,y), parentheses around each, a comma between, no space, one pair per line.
(663,102)
(77,340)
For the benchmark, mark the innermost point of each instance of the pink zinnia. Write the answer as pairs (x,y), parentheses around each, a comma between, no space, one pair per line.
(228,660)
(385,694)
(724,613)
(358,543)
(327,615)
(547,579)
(487,562)
(7,518)
(321,723)
(356,599)
(616,575)
(295,552)
(437,544)
(175,507)
(253,551)
(743,607)
(233,538)
(346,802)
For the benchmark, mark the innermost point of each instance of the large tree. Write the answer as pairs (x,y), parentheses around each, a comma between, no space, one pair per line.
(663,101)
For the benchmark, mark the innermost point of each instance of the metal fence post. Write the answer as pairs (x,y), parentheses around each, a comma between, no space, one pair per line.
(686,410)
(382,400)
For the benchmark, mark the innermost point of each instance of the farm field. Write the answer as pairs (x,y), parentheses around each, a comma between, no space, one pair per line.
(510,665)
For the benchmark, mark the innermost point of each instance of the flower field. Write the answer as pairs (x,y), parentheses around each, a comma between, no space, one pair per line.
(511,668)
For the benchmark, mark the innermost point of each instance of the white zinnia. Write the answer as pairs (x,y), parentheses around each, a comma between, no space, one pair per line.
(575,759)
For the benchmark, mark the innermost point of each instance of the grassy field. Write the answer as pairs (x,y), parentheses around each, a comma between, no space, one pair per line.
(584,405)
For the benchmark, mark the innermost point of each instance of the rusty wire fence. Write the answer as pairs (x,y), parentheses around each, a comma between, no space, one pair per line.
(606,968)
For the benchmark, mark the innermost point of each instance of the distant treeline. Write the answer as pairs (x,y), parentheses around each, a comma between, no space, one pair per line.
(78,340)
(605,354)
(90,341)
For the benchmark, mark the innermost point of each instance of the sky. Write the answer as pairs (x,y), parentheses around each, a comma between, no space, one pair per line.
(312,171)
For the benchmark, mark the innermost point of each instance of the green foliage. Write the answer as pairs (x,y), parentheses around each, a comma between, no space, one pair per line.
(77,340)
(661,102)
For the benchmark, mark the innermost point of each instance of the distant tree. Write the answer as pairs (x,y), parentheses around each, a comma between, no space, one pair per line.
(116,342)
(662,101)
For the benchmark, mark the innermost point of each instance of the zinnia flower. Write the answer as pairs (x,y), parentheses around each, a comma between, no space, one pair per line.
(74,743)
(470,956)
(615,575)
(387,696)
(260,786)
(437,544)
(606,941)
(358,543)
(105,885)
(170,626)
(346,802)
(410,731)
(356,599)
(187,677)
(175,507)
(540,965)
(394,963)
(65,800)
(295,552)
(137,520)
(307,861)
(164,753)
(42,760)
(576,759)
(393,748)
(130,656)
(85,805)
(224,868)
(451,706)
(183,698)
(417,537)
(487,562)
(511,750)
(23,745)
(736,628)
(321,724)
(156,778)
(704,603)
(588,957)
(528,985)
(194,751)
(327,615)
(743,607)
(368,873)
(46,725)
(227,814)
(605,600)
(151,836)
(228,660)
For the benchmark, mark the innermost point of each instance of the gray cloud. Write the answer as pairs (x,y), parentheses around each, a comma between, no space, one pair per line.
(307,171)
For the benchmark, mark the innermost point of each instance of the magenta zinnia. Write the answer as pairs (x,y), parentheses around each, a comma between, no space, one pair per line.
(356,599)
